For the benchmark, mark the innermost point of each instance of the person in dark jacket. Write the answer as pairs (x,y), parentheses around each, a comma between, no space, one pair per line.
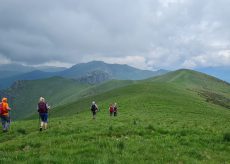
(115,108)
(43,108)
(94,109)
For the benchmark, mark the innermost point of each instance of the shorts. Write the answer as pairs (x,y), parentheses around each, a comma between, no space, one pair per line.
(44,117)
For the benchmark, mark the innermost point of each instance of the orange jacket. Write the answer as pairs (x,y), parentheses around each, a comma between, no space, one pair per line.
(5,107)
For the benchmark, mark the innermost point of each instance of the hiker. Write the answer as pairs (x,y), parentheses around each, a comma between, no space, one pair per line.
(5,115)
(94,109)
(115,109)
(43,113)
(111,109)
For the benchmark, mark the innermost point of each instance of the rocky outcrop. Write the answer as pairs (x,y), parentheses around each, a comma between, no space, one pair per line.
(95,77)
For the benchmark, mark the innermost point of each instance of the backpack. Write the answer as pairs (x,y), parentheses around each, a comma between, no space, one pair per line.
(42,107)
(115,109)
(93,108)
(1,108)
(111,109)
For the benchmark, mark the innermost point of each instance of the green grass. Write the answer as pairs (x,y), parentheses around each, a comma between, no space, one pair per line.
(56,90)
(156,123)
(26,94)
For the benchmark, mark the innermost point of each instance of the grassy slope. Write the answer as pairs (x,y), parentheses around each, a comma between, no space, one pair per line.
(56,90)
(211,88)
(158,122)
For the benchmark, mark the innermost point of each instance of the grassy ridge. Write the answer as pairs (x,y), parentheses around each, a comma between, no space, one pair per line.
(211,88)
(196,80)
(157,122)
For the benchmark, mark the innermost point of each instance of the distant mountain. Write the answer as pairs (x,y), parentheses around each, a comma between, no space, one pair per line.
(13,72)
(115,71)
(22,68)
(91,73)
(8,70)
(36,74)
(15,67)
(219,72)
(50,68)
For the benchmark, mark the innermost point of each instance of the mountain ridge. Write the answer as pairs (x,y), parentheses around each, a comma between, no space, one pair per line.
(82,70)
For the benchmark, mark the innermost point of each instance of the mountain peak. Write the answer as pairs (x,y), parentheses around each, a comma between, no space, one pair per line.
(116,71)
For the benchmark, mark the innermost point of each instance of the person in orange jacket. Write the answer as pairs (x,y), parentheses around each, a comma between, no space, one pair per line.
(4,113)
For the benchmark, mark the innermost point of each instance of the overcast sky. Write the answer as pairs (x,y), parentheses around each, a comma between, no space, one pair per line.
(148,34)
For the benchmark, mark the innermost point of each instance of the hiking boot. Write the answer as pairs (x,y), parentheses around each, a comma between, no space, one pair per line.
(40,129)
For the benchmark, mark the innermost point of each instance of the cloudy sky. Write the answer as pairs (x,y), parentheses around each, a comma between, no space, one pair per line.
(148,34)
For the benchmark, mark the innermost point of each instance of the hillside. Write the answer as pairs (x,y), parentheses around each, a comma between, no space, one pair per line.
(160,122)
(212,89)
(193,83)
(23,95)
(191,78)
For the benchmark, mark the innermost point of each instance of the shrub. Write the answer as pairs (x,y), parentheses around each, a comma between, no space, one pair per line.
(22,131)
(121,145)
(227,137)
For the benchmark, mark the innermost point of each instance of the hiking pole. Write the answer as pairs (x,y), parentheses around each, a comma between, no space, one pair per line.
(9,121)
(49,112)
(39,120)
(9,112)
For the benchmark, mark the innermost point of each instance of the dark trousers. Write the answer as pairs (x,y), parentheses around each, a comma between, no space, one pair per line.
(5,122)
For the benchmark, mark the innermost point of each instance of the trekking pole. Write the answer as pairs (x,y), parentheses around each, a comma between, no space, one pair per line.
(11,112)
(39,120)
(49,112)
(8,123)
(48,121)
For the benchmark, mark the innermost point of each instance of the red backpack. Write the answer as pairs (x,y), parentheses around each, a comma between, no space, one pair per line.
(111,109)
(1,108)
(42,107)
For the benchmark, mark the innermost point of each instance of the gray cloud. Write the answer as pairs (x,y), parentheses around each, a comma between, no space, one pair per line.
(143,33)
